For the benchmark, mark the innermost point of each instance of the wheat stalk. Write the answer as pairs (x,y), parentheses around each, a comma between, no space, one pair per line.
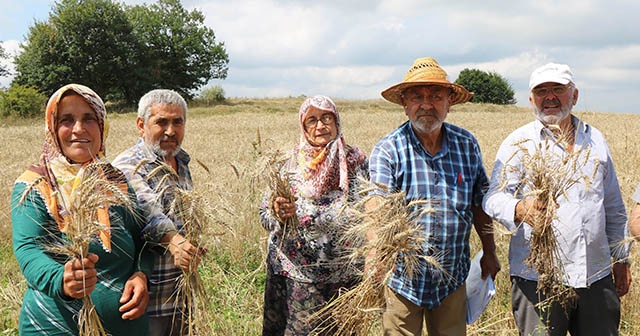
(199,219)
(280,182)
(546,176)
(94,191)
(399,239)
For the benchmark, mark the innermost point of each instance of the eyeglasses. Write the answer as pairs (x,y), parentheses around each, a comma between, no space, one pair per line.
(327,119)
(557,90)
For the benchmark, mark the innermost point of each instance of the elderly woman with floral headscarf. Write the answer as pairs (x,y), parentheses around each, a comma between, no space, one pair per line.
(113,271)
(303,268)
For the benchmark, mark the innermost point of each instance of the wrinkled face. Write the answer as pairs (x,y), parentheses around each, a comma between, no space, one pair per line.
(78,129)
(426,106)
(164,130)
(552,102)
(320,126)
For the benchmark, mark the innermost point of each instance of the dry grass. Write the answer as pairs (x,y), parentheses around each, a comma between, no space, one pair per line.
(10,302)
(224,138)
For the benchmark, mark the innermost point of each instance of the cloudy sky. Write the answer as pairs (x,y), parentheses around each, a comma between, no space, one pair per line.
(356,48)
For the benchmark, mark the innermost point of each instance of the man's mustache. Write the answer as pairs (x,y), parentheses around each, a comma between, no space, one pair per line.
(169,138)
(552,102)
(423,112)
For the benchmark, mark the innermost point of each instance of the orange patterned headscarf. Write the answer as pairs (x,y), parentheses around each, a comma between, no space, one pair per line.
(320,169)
(62,175)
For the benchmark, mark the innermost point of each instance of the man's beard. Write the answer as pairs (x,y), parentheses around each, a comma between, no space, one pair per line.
(164,153)
(552,119)
(423,126)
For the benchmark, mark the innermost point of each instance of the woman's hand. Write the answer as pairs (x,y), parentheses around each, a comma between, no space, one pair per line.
(135,297)
(284,208)
(80,276)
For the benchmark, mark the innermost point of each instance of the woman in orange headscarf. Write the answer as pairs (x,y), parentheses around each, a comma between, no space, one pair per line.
(113,272)
(304,270)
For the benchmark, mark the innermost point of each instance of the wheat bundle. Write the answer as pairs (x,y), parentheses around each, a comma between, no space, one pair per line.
(199,223)
(279,183)
(395,238)
(546,175)
(94,190)
(190,294)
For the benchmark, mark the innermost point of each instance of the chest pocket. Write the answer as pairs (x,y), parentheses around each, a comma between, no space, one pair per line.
(459,186)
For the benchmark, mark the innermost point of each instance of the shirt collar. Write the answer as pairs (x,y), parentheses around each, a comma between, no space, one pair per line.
(582,129)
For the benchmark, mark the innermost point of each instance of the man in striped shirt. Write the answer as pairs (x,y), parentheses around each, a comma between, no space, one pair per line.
(431,160)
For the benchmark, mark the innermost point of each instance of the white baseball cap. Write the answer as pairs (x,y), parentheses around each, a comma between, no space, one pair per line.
(551,72)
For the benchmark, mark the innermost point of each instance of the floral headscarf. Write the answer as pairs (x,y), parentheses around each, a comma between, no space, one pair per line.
(321,169)
(63,175)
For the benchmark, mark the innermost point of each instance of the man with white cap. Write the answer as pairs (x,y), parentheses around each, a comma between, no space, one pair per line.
(429,159)
(590,222)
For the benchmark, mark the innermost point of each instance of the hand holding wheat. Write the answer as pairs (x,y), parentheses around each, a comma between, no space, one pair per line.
(185,255)
(527,210)
(80,276)
(284,207)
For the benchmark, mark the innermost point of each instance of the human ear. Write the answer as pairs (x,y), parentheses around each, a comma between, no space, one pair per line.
(140,126)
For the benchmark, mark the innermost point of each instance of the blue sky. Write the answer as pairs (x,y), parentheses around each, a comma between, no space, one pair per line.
(356,48)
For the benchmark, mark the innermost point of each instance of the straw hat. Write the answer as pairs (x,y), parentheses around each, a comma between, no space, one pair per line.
(426,71)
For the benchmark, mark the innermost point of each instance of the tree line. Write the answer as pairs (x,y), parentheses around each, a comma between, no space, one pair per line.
(118,50)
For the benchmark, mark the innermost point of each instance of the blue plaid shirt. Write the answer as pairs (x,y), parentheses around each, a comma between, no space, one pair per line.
(453,181)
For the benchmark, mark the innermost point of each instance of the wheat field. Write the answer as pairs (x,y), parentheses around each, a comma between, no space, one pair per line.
(231,138)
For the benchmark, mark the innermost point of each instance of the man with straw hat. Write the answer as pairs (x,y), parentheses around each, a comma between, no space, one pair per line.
(568,218)
(429,159)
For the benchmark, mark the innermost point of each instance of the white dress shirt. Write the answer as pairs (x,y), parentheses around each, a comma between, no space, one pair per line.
(591,223)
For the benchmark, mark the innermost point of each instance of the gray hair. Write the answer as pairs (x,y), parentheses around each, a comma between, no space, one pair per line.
(159,96)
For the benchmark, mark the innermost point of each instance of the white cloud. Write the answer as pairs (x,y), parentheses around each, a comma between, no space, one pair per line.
(263,33)
(11,48)
(357,48)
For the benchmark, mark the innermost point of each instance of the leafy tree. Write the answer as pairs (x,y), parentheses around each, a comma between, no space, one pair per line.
(488,87)
(3,69)
(121,51)
(84,41)
(177,50)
